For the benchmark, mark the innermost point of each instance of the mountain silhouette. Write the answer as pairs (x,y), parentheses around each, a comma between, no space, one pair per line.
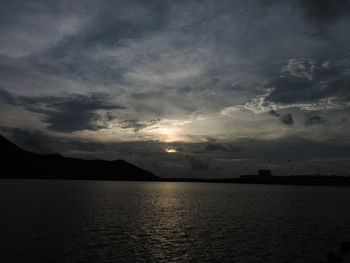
(18,163)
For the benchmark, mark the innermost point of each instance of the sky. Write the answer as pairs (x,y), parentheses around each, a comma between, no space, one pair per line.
(201,88)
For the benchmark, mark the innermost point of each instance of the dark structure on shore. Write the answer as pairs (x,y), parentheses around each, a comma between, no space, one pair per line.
(266,177)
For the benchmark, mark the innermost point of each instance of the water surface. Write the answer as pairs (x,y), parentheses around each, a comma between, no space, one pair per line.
(104,221)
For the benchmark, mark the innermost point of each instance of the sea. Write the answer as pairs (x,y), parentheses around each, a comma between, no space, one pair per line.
(110,221)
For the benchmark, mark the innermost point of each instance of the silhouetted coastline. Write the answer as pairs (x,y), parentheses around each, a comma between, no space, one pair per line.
(322,180)
(21,164)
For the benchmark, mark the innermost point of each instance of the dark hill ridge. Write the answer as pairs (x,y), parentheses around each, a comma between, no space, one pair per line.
(18,163)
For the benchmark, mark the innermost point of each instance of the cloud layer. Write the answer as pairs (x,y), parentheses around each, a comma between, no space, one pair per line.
(206,74)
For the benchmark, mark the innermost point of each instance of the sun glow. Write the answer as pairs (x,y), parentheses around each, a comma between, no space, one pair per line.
(168,131)
(168,134)
(170,150)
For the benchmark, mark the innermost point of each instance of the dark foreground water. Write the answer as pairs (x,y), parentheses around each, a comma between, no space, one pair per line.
(91,221)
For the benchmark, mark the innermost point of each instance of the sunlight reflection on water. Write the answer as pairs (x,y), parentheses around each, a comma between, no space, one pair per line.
(90,221)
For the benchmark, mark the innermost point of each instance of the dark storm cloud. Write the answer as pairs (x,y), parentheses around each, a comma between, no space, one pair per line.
(67,113)
(306,80)
(69,40)
(274,113)
(322,15)
(216,147)
(293,146)
(77,112)
(324,11)
(111,19)
(133,124)
(7,98)
(268,2)
(109,24)
(40,142)
(286,119)
(198,164)
(315,119)
(136,125)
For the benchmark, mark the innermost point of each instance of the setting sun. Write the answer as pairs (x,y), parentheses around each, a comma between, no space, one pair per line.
(171,150)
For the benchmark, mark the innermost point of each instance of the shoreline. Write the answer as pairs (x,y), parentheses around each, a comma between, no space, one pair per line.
(305,180)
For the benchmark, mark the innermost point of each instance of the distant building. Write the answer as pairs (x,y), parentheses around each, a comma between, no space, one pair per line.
(264,173)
